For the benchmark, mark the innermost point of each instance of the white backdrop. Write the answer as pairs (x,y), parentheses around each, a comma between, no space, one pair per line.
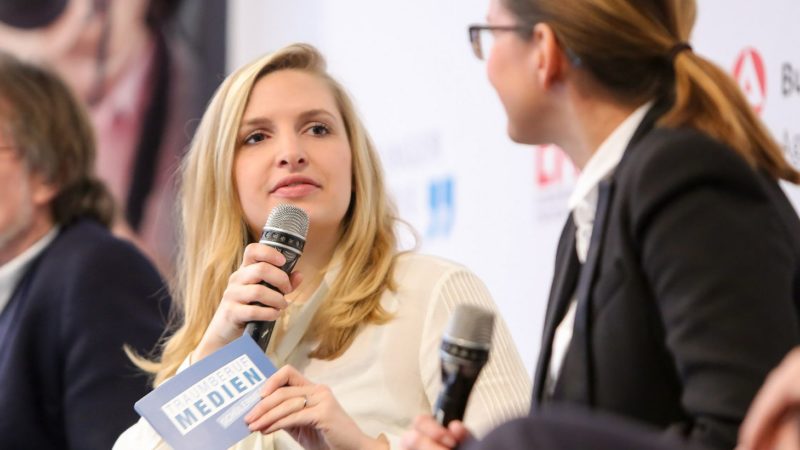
(455,175)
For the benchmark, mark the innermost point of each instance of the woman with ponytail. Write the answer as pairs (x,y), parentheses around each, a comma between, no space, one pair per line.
(677,276)
(72,296)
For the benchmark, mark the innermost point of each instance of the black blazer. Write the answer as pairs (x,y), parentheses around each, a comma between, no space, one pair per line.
(65,382)
(690,292)
(572,429)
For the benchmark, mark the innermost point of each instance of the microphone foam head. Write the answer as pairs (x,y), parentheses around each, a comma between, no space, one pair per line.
(471,326)
(288,218)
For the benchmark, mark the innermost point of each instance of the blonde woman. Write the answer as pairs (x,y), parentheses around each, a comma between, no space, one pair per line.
(358,335)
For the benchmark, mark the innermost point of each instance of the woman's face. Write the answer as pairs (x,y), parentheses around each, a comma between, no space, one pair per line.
(292,147)
(509,67)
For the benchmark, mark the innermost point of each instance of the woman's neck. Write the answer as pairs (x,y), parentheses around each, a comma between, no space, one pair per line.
(590,119)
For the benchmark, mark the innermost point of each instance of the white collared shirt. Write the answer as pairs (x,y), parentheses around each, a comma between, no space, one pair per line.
(583,204)
(12,271)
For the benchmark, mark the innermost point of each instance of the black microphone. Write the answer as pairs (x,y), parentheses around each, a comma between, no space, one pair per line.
(285,231)
(464,351)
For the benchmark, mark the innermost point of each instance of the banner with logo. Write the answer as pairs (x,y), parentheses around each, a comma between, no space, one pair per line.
(470,193)
(758,45)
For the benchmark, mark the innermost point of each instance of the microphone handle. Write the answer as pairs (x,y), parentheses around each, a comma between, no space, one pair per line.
(261,331)
(452,401)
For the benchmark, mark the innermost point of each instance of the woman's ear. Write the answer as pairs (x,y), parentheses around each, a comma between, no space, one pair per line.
(551,61)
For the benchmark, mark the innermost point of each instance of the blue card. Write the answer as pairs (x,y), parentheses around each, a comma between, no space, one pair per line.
(204,406)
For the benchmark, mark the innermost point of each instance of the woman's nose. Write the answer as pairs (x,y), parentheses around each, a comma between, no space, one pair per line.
(292,154)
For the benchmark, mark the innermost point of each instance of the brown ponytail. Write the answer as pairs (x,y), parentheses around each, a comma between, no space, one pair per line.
(707,99)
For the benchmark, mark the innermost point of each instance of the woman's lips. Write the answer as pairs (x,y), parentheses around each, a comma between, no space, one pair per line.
(295,190)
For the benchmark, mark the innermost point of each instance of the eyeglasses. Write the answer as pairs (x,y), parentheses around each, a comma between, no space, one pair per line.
(482,44)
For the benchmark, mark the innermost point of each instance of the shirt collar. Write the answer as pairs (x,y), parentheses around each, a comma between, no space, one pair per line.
(607,156)
(296,319)
(12,271)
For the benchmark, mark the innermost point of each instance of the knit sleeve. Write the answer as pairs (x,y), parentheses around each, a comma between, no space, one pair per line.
(503,389)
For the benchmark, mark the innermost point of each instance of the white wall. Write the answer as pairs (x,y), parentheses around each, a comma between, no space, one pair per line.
(439,126)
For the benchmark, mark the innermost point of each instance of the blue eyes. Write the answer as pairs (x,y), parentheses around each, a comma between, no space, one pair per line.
(317,130)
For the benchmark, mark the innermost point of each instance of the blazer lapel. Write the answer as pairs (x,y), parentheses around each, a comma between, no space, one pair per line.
(567,270)
(566,274)
(576,383)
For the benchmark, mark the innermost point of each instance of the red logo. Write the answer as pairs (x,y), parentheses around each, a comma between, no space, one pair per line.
(749,73)
(552,166)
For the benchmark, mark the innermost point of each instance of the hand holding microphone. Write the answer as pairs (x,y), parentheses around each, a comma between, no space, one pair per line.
(285,231)
(464,352)
(255,293)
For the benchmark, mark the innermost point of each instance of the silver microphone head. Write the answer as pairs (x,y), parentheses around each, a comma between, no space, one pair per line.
(471,327)
(288,218)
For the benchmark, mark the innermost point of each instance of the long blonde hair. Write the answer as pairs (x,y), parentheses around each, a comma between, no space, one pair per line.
(214,230)
(629,47)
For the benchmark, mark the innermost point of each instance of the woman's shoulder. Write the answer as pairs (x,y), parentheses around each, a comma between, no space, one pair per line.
(427,276)
(685,150)
(669,162)
(413,264)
